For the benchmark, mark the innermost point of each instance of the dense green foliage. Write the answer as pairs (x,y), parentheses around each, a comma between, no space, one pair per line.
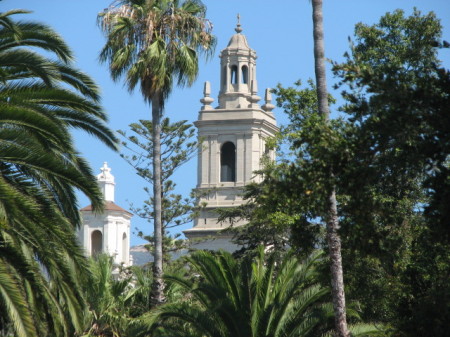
(398,100)
(41,99)
(107,313)
(257,296)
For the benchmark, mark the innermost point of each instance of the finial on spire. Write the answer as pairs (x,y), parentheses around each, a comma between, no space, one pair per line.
(207,89)
(206,100)
(238,28)
(268,107)
(254,98)
(105,174)
(105,169)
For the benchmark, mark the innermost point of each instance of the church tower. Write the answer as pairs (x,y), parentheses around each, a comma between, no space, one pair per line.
(233,137)
(108,232)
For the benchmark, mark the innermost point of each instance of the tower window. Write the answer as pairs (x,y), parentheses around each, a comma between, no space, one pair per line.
(244,74)
(96,242)
(228,162)
(234,73)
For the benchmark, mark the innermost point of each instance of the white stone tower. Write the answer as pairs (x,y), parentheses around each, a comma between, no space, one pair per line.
(233,137)
(108,232)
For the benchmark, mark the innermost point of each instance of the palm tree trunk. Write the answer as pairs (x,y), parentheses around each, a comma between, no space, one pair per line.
(337,273)
(157,292)
(319,59)
(332,220)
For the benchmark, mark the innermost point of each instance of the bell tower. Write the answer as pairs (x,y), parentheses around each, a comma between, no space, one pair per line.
(233,137)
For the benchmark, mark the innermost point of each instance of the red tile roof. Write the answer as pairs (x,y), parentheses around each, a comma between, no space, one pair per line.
(109,206)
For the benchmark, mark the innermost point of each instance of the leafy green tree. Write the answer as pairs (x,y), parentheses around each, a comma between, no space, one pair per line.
(397,94)
(177,147)
(154,43)
(249,297)
(286,208)
(41,99)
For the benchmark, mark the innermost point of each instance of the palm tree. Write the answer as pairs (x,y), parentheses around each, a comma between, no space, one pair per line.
(41,99)
(255,297)
(154,43)
(332,221)
(38,110)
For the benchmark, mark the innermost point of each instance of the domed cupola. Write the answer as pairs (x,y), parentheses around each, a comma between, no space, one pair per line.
(238,85)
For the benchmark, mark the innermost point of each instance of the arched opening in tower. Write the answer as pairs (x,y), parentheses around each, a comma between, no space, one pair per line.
(234,74)
(96,242)
(244,74)
(228,162)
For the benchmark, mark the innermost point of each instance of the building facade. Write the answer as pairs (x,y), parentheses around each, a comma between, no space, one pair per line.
(108,232)
(233,137)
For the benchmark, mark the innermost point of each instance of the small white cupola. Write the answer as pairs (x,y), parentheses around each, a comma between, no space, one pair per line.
(106,182)
(238,85)
(107,232)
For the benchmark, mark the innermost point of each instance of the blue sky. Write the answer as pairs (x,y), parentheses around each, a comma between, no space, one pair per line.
(280,32)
